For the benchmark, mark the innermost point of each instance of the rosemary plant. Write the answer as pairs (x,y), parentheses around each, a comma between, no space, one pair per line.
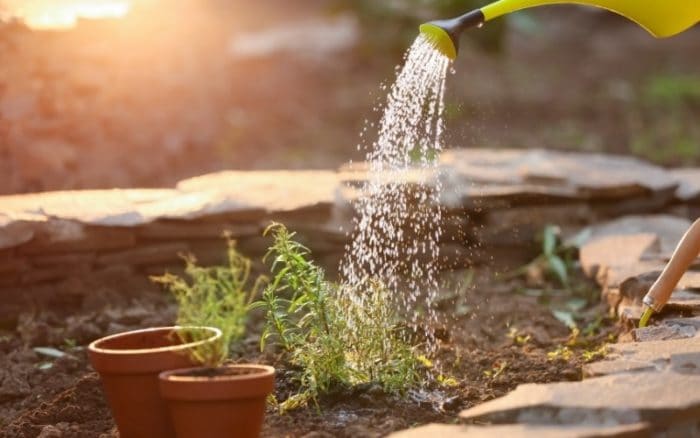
(332,338)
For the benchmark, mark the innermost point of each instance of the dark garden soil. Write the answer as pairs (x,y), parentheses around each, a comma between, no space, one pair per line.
(496,334)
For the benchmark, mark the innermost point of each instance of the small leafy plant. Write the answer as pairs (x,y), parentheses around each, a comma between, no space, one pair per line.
(216,296)
(331,336)
(554,276)
(554,259)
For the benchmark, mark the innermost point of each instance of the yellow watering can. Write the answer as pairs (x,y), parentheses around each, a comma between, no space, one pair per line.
(661,18)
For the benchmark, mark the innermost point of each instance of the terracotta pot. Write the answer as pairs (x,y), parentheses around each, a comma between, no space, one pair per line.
(222,402)
(129,364)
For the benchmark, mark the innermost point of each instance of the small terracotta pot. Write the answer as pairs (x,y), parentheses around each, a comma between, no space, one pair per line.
(228,401)
(129,364)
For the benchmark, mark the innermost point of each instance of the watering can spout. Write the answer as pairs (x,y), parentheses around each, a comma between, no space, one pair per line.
(660,18)
(444,34)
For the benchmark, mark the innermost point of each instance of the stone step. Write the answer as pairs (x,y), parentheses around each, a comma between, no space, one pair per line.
(640,430)
(659,398)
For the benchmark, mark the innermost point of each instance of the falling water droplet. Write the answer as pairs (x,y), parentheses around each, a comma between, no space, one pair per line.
(397,230)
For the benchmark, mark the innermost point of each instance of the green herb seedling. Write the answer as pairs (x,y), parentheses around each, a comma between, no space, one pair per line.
(216,296)
(330,339)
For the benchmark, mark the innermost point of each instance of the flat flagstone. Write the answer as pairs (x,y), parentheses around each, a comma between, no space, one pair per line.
(14,233)
(641,203)
(197,205)
(356,174)
(186,230)
(636,285)
(249,194)
(63,259)
(66,237)
(625,256)
(689,184)
(666,256)
(615,251)
(524,431)
(489,196)
(693,322)
(685,300)
(147,255)
(641,356)
(278,190)
(669,229)
(331,231)
(95,207)
(663,332)
(591,175)
(660,398)
(521,225)
(52,273)
(690,280)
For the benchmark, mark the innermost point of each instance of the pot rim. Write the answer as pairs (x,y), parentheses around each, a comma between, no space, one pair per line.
(94,345)
(244,388)
(173,375)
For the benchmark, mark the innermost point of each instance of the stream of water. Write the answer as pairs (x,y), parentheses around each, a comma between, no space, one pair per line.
(397,229)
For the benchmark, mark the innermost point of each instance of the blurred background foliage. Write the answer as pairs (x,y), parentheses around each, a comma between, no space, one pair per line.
(664,119)
(160,95)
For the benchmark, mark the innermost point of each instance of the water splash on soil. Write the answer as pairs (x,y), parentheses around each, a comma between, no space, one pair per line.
(397,228)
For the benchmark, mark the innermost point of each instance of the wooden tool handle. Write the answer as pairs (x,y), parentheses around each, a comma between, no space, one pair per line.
(685,253)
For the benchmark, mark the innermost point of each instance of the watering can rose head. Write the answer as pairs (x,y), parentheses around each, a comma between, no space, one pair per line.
(660,18)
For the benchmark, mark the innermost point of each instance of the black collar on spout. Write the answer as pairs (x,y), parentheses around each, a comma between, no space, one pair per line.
(455,26)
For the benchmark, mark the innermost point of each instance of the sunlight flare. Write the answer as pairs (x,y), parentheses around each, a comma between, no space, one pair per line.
(64,14)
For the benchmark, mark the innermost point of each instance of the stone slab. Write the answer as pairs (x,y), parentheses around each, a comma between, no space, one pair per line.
(521,225)
(63,259)
(669,229)
(690,281)
(96,207)
(186,230)
(609,252)
(663,332)
(133,207)
(198,205)
(685,300)
(689,184)
(525,431)
(245,216)
(641,203)
(636,286)
(659,398)
(479,196)
(313,214)
(591,175)
(65,237)
(146,255)
(641,356)
(53,273)
(693,321)
(253,246)
(14,232)
(332,231)
(665,257)
(270,190)
(628,297)
(357,174)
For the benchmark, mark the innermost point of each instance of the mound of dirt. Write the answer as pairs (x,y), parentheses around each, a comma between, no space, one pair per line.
(79,411)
